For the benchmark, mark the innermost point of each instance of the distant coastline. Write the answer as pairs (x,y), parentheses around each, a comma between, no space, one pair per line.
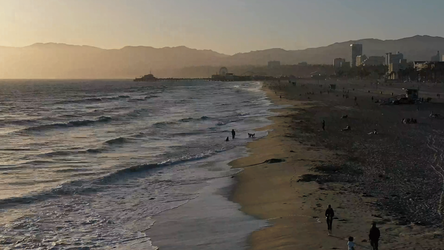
(42,61)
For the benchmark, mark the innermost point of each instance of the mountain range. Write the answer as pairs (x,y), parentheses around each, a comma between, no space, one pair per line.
(63,61)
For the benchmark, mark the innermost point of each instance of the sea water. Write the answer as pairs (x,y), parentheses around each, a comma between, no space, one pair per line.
(116,164)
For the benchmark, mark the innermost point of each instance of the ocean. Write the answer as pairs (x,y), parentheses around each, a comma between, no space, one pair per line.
(116,164)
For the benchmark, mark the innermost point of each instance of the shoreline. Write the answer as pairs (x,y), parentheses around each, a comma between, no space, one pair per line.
(292,200)
(274,200)
(192,224)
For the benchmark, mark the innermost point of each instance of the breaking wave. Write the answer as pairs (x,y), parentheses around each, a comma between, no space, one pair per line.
(77,123)
(93,99)
(119,140)
(97,184)
(183,120)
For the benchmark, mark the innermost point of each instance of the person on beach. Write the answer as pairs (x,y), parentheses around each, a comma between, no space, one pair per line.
(233,134)
(323,124)
(351,244)
(329,218)
(374,235)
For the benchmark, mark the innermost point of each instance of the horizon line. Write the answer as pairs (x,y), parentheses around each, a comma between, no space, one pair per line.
(179,46)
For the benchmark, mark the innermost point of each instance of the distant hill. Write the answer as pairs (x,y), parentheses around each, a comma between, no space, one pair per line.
(414,48)
(53,60)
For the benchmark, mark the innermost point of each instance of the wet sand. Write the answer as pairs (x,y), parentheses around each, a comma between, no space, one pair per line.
(394,178)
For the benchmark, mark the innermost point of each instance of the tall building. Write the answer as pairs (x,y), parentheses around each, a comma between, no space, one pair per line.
(394,63)
(393,58)
(356,50)
(338,62)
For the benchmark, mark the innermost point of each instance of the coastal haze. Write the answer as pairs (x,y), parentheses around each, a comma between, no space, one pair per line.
(63,61)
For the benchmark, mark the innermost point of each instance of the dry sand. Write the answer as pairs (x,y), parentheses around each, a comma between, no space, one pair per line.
(394,178)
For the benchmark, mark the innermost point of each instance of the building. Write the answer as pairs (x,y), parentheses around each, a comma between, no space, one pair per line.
(393,68)
(393,58)
(356,50)
(338,62)
(436,58)
(375,60)
(273,64)
(359,60)
(395,62)
(403,63)
(302,64)
(369,61)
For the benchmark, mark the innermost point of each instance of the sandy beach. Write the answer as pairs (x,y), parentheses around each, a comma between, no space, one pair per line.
(393,178)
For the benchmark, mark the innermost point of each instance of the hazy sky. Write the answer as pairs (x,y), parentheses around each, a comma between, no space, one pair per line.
(228,26)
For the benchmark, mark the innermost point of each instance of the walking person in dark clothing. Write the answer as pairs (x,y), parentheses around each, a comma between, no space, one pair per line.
(323,124)
(374,235)
(233,134)
(329,217)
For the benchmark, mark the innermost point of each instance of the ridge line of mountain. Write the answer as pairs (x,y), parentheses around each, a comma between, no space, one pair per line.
(39,44)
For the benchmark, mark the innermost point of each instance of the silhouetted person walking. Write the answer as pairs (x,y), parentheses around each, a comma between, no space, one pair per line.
(351,244)
(329,217)
(233,133)
(323,124)
(374,235)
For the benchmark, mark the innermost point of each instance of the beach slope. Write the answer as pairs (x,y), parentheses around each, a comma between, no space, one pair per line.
(291,176)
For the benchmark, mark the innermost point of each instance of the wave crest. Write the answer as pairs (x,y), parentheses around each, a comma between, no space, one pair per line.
(77,123)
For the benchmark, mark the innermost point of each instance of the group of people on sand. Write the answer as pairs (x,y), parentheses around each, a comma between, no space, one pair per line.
(374,232)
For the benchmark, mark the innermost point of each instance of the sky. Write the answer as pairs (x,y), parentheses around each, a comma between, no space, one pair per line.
(229,26)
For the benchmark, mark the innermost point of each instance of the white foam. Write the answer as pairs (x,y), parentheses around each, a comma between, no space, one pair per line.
(209,221)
